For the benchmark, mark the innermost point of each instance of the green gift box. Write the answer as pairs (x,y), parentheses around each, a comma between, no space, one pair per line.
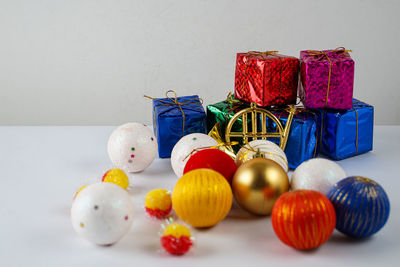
(222,112)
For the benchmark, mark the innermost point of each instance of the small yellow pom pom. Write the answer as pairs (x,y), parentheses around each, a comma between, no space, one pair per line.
(177,230)
(176,239)
(158,203)
(116,176)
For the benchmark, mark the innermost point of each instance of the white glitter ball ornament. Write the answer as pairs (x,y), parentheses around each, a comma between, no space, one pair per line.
(132,147)
(269,150)
(317,174)
(185,145)
(102,213)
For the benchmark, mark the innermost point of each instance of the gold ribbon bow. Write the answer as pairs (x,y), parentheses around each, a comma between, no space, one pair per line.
(231,100)
(339,50)
(222,145)
(174,102)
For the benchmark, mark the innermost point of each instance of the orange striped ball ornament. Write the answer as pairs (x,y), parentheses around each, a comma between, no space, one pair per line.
(202,198)
(303,219)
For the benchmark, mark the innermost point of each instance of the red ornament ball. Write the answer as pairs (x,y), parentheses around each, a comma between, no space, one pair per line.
(303,219)
(213,159)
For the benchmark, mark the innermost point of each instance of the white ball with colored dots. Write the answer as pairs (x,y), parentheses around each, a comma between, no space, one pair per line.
(317,174)
(132,147)
(181,151)
(102,213)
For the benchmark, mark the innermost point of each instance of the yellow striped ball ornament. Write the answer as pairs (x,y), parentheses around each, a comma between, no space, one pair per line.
(202,198)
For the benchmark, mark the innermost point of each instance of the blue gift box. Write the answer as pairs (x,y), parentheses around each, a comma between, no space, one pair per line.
(304,137)
(171,121)
(347,133)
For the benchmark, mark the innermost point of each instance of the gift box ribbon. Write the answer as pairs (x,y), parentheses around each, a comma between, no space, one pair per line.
(328,55)
(356,115)
(174,103)
(316,121)
(316,131)
(265,54)
(234,103)
(355,110)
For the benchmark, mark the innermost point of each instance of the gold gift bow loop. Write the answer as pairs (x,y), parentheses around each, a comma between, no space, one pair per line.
(264,53)
(231,100)
(248,147)
(324,54)
(175,102)
(341,49)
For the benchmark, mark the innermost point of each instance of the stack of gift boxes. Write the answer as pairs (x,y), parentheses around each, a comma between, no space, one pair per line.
(328,120)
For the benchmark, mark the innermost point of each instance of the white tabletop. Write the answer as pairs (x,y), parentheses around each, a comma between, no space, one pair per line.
(42,168)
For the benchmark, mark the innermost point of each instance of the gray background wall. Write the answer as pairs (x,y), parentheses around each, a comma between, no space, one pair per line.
(88,62)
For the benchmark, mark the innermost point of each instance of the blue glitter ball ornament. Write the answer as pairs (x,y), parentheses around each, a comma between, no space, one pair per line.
(362,206)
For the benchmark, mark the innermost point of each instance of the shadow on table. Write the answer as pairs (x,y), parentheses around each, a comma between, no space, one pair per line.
(146,240)
(340,238)
(158,168)
(238,214)
(136,190)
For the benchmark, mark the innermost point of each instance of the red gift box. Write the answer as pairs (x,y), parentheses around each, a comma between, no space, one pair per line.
(266,78)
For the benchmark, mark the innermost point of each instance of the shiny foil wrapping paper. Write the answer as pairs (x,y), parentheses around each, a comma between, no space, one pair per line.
(168,122)
(348,132)
(267,79)
(222,112)
(314,73)
(304,136)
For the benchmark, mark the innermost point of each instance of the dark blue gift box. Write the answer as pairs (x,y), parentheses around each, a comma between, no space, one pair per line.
(348,132)
(170,124)
(304,135)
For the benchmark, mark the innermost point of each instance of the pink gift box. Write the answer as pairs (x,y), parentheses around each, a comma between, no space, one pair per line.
(327,79)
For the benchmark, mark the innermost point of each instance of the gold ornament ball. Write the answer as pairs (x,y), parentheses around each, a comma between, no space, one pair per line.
(258,183)
(202,198)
